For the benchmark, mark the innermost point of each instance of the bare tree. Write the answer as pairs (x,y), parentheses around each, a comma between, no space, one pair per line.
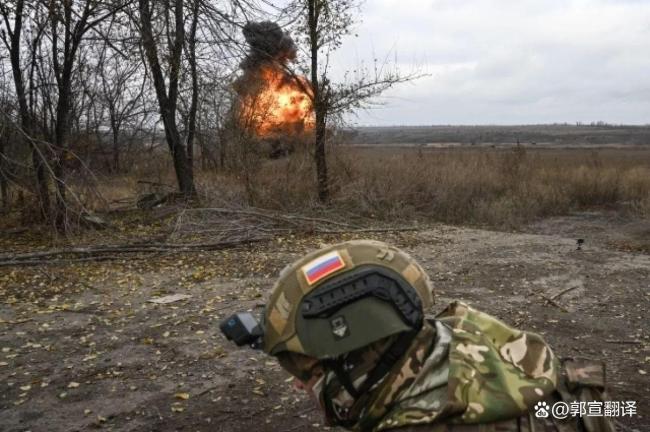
(172,46)
(12,36)
(322,25)
(121,89)
(191,57)
(57,31)
(69,21)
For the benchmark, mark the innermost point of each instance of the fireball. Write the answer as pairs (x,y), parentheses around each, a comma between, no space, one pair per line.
(280,104)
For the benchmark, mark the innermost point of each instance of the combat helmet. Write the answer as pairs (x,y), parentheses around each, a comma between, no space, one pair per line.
(344,297)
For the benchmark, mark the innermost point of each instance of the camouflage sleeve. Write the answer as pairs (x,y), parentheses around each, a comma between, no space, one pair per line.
(525,423)
(496,374)
(495,371)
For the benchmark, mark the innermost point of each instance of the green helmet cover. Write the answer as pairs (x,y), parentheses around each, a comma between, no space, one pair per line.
(356,323)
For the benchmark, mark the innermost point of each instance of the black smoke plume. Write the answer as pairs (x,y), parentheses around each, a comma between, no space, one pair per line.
(268,44)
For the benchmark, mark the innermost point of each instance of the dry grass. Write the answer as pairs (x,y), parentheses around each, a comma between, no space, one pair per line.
(503,188)
(491,187)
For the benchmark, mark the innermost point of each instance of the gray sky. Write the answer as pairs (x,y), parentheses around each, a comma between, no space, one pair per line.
(508,61)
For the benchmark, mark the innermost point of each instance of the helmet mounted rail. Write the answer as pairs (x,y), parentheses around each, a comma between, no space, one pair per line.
(361,282)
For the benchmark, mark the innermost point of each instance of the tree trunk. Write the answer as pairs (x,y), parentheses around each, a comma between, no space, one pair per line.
(115,132)
(191,128)
(167,103)
(42,181)
(116,151)
(4,192)
(320,107)
(321,157)
(61,133)
(38,158)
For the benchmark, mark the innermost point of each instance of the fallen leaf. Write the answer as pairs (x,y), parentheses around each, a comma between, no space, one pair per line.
(183,396)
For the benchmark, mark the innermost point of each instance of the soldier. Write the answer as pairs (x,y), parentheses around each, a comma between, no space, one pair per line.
(348,322)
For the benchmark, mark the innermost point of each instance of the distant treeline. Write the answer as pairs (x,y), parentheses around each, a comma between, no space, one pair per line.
(555,134)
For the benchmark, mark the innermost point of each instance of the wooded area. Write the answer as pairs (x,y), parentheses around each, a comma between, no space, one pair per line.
(94,87)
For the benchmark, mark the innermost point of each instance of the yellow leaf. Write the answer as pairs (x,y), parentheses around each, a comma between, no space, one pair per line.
(183,396)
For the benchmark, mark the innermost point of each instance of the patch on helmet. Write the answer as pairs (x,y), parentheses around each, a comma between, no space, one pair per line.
(322,266)
(340,327)
(283,305)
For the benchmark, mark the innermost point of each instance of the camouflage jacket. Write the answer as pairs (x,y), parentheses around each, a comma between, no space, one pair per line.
(468,371)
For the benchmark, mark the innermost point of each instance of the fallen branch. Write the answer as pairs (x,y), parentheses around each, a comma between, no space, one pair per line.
(554,303)
(98,252)
(370,230)
(561,293)
(265,214)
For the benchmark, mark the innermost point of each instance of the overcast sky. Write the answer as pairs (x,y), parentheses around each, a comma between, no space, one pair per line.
(508,61)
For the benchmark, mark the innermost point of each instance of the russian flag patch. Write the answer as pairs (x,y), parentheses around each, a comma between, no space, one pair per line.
(322,266)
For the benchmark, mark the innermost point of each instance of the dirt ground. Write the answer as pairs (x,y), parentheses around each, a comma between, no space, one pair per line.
(82,348)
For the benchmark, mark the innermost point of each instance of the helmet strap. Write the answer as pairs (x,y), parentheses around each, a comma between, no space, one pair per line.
(336,366)
(386,362)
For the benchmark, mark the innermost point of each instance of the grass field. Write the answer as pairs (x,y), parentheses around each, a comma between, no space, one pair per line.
(495,187)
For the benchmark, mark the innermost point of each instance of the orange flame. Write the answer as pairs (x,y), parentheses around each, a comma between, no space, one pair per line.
(279,106)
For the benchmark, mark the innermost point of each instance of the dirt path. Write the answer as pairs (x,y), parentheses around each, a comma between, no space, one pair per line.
(81,347)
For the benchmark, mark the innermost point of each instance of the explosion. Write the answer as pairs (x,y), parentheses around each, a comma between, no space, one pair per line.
(272,101)
(280,104)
